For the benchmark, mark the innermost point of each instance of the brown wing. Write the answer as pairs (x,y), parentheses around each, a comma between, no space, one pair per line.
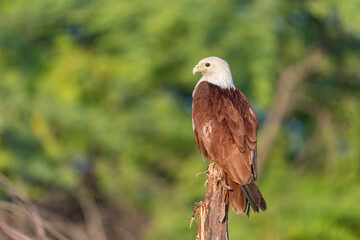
(225,130)
(243,125)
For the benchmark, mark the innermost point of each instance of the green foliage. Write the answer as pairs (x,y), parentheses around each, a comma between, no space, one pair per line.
(104,87)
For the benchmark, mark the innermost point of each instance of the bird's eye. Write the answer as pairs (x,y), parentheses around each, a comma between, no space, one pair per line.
(207,64)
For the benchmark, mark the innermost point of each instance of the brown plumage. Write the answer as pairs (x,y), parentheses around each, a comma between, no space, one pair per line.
(225,129)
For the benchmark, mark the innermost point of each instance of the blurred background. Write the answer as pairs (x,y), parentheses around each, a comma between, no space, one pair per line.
(95,115)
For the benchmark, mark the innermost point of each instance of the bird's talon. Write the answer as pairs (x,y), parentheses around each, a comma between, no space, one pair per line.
(227,186)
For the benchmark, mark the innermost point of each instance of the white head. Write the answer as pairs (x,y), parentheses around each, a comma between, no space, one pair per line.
(216,71)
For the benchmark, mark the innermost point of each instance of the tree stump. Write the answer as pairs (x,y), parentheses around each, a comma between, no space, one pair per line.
(213,211)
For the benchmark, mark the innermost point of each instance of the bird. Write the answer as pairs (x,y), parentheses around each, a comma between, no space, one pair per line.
(225,128)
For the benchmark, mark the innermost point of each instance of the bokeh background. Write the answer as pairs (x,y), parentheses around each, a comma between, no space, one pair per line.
(95,114)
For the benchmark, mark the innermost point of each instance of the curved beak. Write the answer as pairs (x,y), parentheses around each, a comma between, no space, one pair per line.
(196,69)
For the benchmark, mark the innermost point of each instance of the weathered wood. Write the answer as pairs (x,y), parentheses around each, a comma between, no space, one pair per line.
(213,211)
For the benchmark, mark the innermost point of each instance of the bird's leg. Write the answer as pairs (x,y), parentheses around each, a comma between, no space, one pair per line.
(222,181)
(220,177)
(226,186)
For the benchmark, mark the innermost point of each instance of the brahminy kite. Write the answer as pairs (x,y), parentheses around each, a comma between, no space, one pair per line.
(225,129)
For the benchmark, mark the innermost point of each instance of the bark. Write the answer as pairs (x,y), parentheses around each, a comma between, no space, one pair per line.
(213,211)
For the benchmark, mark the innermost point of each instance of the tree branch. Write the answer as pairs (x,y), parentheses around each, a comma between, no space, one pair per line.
(213,212)
(288,83)
(21,204)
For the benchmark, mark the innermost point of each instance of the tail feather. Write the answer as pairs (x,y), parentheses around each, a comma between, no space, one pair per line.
(241,197)
(254,196)
(237,198)
(248,208)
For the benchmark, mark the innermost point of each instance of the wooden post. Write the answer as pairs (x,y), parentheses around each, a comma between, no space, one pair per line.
(213,211)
